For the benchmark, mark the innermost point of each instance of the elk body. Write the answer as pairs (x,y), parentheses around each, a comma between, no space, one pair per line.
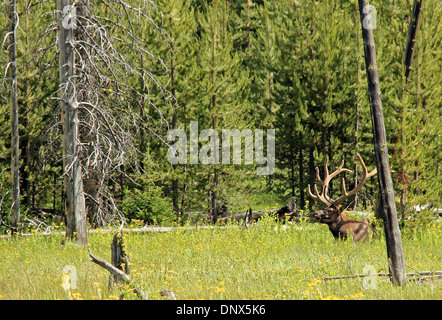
(339,224)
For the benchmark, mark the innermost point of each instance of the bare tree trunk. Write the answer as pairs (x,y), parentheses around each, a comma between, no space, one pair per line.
(215,211)
(356,150)
(411,40)
(214,107)
(388,205)
(175,182)
(358,74)
(75,206)
(119,258)
(15,158)
(93,179)
(408,60)
(301,177)
(311,170)
(140,292)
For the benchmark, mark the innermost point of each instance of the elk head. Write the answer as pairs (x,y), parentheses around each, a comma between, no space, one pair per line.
(332,215)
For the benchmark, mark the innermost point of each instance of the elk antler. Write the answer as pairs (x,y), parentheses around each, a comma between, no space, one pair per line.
(323,197)
(365,176)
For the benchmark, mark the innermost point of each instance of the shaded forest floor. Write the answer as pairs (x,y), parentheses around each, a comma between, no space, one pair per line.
(265,261)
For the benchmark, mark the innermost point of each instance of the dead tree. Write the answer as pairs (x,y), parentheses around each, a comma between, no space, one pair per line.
(411,39)
(388,205)
(119,274)
(107,55)
(75,206)
(85,93)
(15,160)
(119,257)
(112,105)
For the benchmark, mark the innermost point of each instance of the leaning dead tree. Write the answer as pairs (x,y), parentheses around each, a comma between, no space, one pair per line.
(387,201)
(411,39)
(120,261)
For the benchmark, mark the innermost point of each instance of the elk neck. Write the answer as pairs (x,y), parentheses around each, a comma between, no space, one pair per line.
(340,220)
(335,226)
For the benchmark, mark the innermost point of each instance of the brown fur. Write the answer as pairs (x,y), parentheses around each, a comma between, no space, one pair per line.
(341,226)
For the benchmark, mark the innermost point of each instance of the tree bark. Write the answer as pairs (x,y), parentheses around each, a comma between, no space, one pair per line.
(15,144)
(301,176)
(175,182)
(75,206)
(94,177)
(411,40)
(214,107)
(358,75)
(388,205)
(118,258)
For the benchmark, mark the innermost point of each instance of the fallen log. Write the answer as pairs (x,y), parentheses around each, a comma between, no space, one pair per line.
(281,213)
(435,275)
(247,217)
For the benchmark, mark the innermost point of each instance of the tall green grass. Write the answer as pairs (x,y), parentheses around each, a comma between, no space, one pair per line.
(265,261)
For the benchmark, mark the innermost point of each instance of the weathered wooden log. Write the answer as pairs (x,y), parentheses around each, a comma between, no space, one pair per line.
(239,217)
(281,213)
(418,276)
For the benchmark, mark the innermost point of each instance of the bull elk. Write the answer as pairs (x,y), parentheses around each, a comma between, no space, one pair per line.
(339,224)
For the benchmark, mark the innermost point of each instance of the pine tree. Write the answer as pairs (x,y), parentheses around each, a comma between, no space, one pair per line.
(38,167)
(222,87)
(179,52)
(314,86)
(420,146)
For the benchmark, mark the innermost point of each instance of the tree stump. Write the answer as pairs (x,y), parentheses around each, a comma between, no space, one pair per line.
(119,258)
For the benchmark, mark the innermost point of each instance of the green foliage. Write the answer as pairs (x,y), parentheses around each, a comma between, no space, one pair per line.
(148,205)
(293,66)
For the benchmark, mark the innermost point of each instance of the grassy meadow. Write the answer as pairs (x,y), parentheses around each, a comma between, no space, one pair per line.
(265,261)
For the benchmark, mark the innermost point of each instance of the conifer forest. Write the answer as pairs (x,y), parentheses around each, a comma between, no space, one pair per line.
(95,94)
